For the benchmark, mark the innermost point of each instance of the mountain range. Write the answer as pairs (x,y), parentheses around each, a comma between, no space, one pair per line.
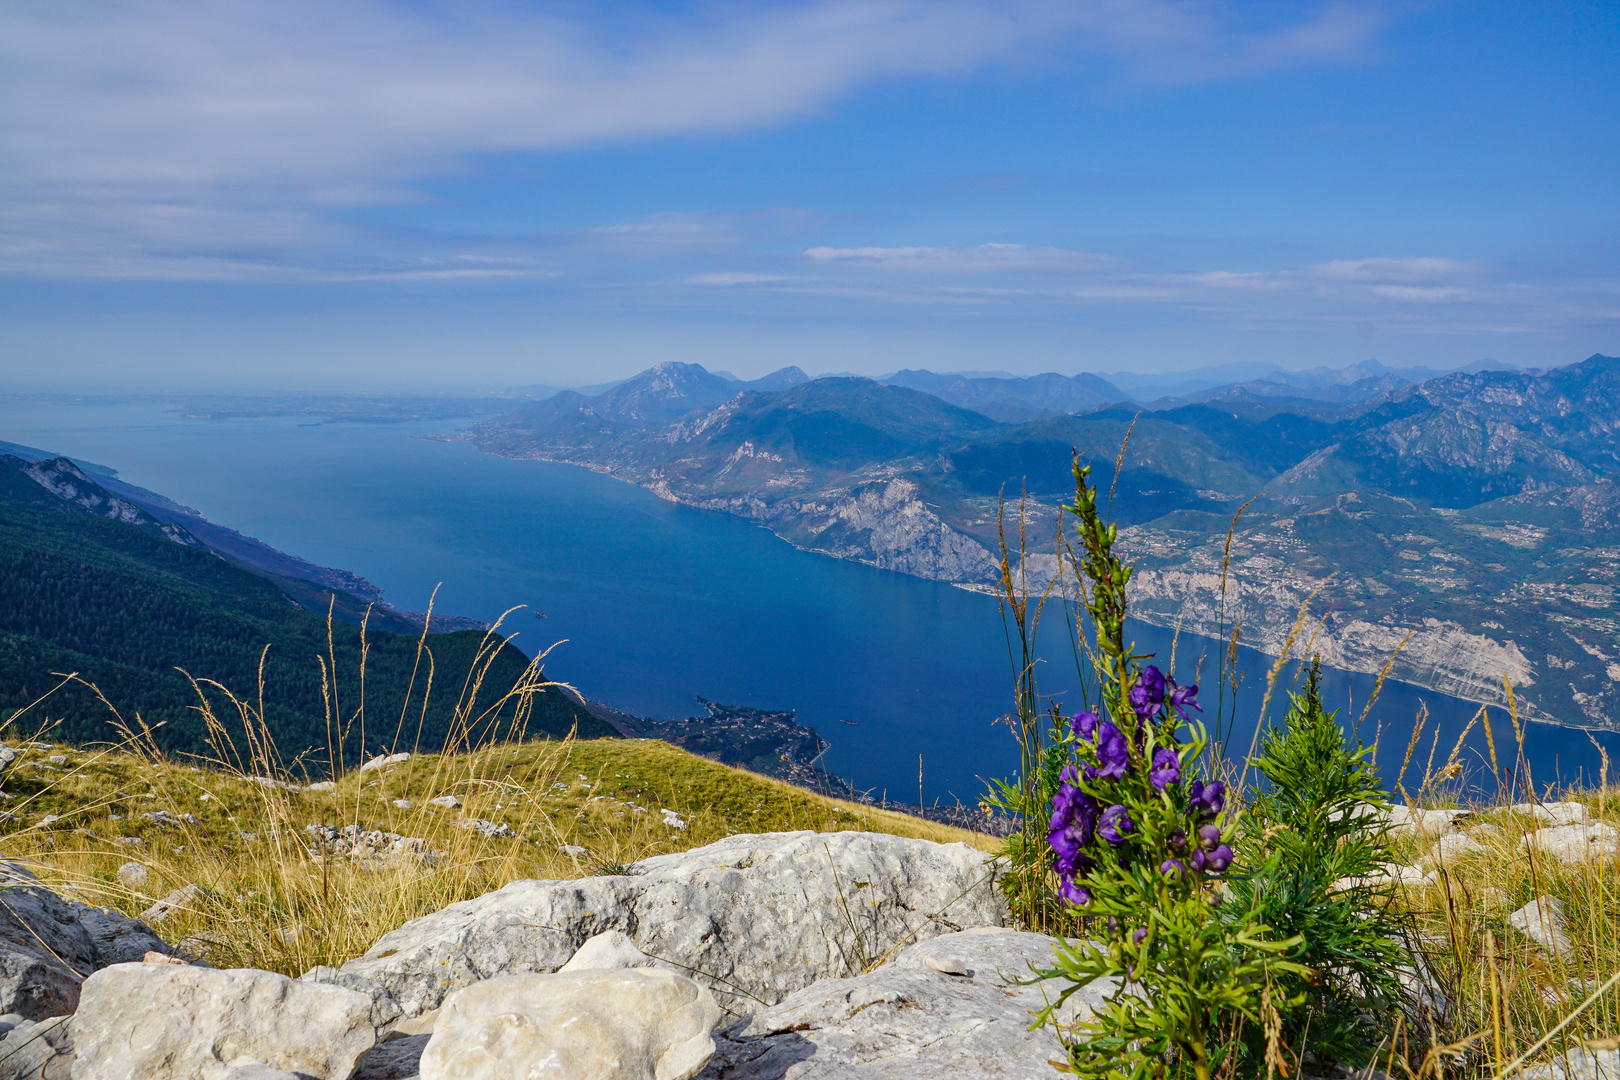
(1469,514)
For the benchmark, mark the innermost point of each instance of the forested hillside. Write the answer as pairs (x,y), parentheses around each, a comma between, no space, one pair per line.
(124,608)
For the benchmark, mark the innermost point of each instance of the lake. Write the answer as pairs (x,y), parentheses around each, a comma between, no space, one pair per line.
(656,603)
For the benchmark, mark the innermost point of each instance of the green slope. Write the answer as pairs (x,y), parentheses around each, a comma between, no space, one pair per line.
(124,609)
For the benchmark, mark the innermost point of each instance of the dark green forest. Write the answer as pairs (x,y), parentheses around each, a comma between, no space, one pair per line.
(124,609)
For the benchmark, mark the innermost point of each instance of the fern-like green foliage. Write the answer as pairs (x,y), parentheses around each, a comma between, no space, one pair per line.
(1312,839)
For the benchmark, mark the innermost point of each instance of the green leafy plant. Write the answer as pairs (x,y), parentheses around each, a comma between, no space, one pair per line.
(1314,845)
(1137,844)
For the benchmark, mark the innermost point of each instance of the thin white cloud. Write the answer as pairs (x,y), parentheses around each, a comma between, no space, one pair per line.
(984,257)
(176,133)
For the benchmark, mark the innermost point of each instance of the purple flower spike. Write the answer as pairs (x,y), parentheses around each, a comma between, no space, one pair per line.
(1084,725)
(1209,837)
(1116,825)
(1220,859)
(1113,757)
(1174,869)
(1166,768)
(1078,895)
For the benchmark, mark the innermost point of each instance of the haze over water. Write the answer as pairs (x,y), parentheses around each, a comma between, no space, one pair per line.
(659,602)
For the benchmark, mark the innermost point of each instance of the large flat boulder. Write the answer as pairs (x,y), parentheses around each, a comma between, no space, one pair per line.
(950,1007)
(49,945)
(752,917)
(179,1022)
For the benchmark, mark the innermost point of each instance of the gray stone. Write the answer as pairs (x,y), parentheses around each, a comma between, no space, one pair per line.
(1543,921)
(1575,844)
(165,1022)
(396,1057)
(133,875)
(1406,819)
(585,1025)
(181,899)
(322,785)
(449,802)
(485,828)
(48,945)
(1580,1064)
(248,1069)
(1555,813)
(1453,848)
(383,761)
(35,1049)
(946,1008)
(608,951)
(753,917)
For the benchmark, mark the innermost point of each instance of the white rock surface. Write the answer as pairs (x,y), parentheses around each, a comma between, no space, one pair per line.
(48,945)
(1555,813)
(133,875)
(945,1009)
(1405,819)
(1579,1064)
(610,950)
(1575,844)
(585,1025)
(753,917)
(1454,847)
(166,1022)
(449,802)
(383,761)
(1543,921)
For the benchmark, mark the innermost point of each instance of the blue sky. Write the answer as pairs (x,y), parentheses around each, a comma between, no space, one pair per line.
(405,196)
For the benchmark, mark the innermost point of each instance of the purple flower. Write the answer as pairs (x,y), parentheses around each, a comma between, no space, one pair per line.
(1173,869)
(1220,859)
(1207,799)
(1198,860)
(1078,895)
(1209,837)
(1113,757)
(1116,825)
(1084,726)
(1166,768)
(1152,680)
(1140,935)
(1185,695)
(1177,839)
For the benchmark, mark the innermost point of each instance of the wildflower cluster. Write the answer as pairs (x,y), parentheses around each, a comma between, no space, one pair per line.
(1136,842)
(1089,820)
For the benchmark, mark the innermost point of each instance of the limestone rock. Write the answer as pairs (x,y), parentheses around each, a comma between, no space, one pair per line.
(610,950)
(1555,813)
(1580,1064)
(1406,819)
(1454,847)
(132,875)
(911,1020)
(187,896)
(35,1050)
(49,944)
(397,1057)
(1543,921)
(383,761)
(449,802)
(590,1025)
(164,1022)
(1575,844)
(753,917)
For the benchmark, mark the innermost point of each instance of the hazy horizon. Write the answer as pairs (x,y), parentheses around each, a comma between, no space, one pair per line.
(422,196)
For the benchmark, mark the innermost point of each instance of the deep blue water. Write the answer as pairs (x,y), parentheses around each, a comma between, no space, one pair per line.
(659,602)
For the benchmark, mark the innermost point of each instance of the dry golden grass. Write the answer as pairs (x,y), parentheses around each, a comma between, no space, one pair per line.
(276,901)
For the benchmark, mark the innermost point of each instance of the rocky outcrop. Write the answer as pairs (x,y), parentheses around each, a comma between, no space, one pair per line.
(48,946)
(753,917)
(178,1022)
(957,1006)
